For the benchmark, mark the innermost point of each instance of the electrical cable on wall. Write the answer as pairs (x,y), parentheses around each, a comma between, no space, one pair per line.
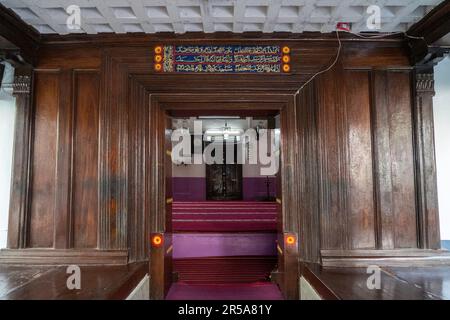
(324,70)
(336,59)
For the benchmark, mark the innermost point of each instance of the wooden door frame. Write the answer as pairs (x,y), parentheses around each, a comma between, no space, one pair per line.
(160,104)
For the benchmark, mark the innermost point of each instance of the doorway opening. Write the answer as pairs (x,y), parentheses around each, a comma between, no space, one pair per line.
(224,180)
(224,214)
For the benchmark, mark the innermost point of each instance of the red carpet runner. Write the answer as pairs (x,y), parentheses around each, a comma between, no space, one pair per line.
(229,291)
(224,216)
(224,269)
(224,277)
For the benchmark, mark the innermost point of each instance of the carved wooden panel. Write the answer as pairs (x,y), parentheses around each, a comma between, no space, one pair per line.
(85,160)
(43,181)
(402,160)
(333,161)
(361,208)
(394,160)
(309,231)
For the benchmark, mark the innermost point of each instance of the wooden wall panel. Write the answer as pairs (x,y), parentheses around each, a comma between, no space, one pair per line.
(309,215)
(394,160)
(402,160)
(351,182)
(382,160)
(139,196)
(113,161)
(85,159)
(332,155)
(69,57)
(361,219)
(42,211)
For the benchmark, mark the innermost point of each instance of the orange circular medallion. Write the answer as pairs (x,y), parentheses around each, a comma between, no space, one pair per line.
(157,240)
(158,49)
(290,240)
(286,59)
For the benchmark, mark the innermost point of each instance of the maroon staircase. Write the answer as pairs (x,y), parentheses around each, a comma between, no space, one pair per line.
(216,217)
(224,269)
(224,216)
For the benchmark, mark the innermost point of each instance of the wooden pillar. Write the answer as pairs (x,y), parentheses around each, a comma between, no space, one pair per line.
(382,161)
(19,203)
(63,233)
(427,201)
(113,162)
(287,276)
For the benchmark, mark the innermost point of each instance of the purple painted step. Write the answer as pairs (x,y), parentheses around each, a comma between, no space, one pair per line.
(196,245)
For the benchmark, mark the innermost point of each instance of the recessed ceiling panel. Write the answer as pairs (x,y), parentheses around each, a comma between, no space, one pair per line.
(151,16)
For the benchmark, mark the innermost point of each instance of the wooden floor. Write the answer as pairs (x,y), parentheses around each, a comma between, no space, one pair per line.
(47,282)
(412,283)
(117,282)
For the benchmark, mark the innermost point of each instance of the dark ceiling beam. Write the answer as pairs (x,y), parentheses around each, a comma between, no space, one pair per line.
(433,27)
(14,31)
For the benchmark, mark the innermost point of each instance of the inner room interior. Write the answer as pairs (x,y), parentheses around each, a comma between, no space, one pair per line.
(224,211)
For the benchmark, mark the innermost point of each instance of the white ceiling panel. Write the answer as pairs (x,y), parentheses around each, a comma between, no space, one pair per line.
(179,16)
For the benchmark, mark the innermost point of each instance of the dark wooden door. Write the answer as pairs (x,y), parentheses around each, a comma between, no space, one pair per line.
(224,181)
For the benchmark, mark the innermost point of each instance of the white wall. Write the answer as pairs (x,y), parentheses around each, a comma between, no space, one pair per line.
(7,116)
(189,171)
(442,138)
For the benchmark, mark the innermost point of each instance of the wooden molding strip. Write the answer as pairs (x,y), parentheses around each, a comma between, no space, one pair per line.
(63,257)
(144,39)
(385,253)
(391,258)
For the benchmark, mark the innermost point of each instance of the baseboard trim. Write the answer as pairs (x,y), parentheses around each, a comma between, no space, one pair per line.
(63,257)
(388,258)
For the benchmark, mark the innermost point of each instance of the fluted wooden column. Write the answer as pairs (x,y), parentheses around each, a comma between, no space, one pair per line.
(427,204)
(19,204)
